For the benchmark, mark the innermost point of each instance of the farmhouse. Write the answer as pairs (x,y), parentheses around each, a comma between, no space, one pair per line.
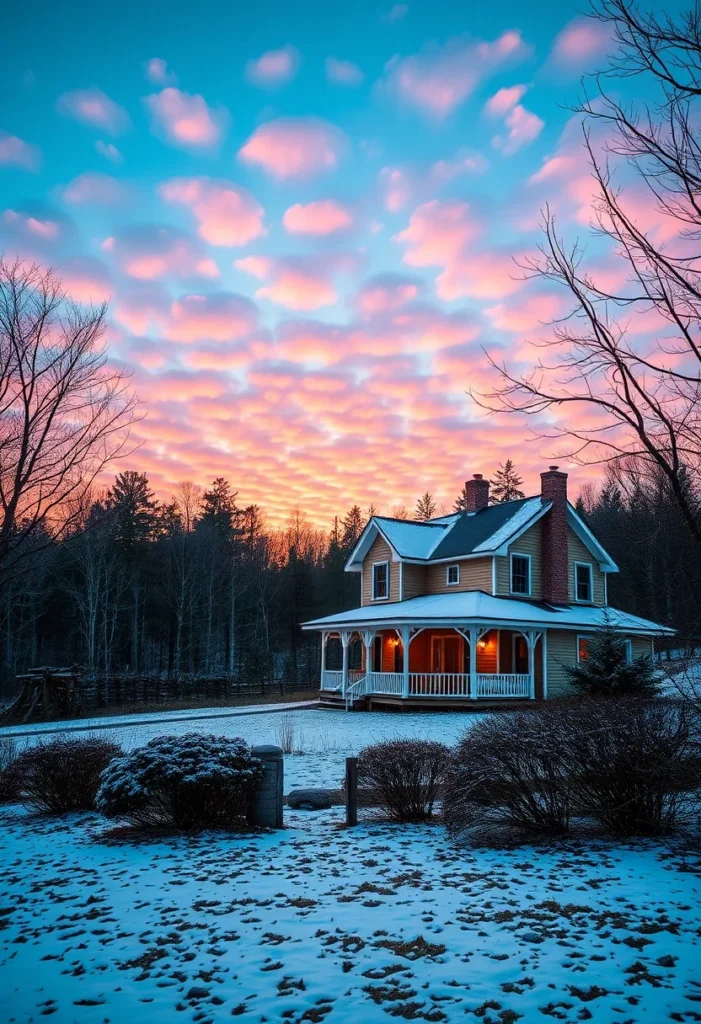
(486,605)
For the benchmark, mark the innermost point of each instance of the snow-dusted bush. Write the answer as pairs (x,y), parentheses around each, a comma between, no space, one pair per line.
(405,776)
(636,763)
(193,781)
(509,777)
(8,755)
(61,775)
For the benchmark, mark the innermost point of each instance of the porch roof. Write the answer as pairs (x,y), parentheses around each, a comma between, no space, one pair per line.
(476,606)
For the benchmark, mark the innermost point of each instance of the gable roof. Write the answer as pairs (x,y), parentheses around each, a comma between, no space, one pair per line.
(486,532)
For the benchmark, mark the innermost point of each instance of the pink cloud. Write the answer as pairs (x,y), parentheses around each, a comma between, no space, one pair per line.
(487,274)
(219,316)
(15,152)
(274,68)
(396,187)
(438,80)
(36,228)
(579,42)
(86,280)
(343,72)
(386,293)
(186,120)
(438,232)
(157,73)
(465,162)
(294,147)
(532,311)
(93,188)
(504,100)
(226,214)
(524,127)
(300,283)
(321,217)
(149,252)
(94,108)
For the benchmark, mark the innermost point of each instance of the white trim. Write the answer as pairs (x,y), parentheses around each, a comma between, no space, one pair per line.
(372,582)
(494,575)
(590,567)
(580,636)
(503,549)
(520,593)
(401,581)
(606,589)
(606,563)
(628,644)
(364,543)
(544,651)
(448,581)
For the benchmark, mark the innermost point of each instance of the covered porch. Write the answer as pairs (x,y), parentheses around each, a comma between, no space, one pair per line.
(424,662)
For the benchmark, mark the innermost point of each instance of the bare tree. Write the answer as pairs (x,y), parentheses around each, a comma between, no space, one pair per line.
(621,396)
(64,411)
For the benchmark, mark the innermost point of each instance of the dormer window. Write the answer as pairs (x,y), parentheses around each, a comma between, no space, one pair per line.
(583,582)
(521,575)
(380,581)
(452,575)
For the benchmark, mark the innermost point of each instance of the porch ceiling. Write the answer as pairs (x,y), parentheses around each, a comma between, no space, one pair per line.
(480,608)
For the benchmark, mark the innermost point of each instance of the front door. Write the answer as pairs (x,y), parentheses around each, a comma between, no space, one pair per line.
(445,654)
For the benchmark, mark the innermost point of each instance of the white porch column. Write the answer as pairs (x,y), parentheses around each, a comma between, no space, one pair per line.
(345,641)
(532,637)
(474,636)
(324,637)
(406,640)
(368,638)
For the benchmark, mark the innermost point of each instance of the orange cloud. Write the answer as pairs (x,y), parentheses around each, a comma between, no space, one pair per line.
(294,147)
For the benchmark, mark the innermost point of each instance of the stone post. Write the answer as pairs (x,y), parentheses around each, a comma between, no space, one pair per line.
(267,803)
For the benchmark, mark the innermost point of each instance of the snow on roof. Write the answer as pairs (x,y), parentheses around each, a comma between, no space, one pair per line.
(411,539)
(528,509)
(477,606)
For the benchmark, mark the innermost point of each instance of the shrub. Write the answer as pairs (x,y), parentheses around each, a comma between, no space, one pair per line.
(61,775)
(406,776)
(193,781)
(605,671)
(508,777)
(635,763)
(8,755)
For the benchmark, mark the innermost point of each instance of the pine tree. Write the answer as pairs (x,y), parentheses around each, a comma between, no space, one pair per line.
(352,524)
(605,672)
(219,507)
(506,484)
(461,500)
(425,507)
(134,509)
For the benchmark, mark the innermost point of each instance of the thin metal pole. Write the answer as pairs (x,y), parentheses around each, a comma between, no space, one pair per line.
(351,791)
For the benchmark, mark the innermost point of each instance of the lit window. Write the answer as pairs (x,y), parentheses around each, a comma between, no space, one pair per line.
(521,575)
(582,648)
(582,581)
(453,575)
(380,581)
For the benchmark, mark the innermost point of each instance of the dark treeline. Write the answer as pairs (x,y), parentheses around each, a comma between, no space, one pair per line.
(637,519)
(194,587)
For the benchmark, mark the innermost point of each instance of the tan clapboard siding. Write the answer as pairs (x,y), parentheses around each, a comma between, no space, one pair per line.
(413,580)
(379,552)
(642,646)
(562,650)
(578,552)
(527,544)
(475,574)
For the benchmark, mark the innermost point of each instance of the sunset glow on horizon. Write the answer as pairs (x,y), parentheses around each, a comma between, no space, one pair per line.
(308,230)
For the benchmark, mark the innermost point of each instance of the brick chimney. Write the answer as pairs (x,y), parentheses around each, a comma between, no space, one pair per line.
(477,493)
(553,487)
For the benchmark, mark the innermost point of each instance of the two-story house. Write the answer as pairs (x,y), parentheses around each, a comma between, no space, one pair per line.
(489,604)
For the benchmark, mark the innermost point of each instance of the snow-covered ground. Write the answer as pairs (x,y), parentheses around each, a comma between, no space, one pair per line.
(318,923)
(323,738)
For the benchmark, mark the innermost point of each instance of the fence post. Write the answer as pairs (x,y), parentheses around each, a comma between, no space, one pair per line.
(267,803)
(351,791)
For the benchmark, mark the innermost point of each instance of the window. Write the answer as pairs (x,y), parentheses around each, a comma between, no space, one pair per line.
(582,648)
(628,644)
(583,585)
(452,575)
(380,581)
(521,575)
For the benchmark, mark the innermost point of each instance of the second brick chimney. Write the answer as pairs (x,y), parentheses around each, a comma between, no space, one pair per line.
(553,488)
(476,493)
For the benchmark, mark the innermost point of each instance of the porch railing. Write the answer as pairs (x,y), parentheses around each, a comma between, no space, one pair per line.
(432,684)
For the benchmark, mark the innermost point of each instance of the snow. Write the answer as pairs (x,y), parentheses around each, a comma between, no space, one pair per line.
(356,926)
(477,606)
(412,540)
(325,738)
(530,509)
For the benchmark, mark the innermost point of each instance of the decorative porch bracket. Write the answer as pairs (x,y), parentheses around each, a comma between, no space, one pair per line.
(368,637)
(531,636)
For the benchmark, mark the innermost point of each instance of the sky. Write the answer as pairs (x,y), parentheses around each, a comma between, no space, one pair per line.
(307,220)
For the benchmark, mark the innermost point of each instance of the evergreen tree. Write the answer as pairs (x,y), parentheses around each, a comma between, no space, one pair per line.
(605,672)
(134,509)
(506,484)
(425,507)
(353,524)
(219,507)
(461,500)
